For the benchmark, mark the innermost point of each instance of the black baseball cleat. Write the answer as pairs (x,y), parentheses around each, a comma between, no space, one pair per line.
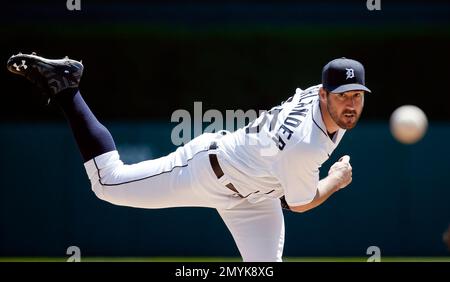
(52,76)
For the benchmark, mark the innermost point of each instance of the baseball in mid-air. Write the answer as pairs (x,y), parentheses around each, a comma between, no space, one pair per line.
(408,124)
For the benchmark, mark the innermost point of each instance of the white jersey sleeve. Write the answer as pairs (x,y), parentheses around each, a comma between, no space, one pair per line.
(298,173)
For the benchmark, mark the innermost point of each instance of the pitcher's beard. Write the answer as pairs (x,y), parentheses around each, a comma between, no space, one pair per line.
(346,120)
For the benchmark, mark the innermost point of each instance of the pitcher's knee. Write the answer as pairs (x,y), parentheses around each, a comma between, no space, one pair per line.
(107,189)
(104,171)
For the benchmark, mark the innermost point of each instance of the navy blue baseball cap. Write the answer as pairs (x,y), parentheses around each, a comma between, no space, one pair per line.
(341,75)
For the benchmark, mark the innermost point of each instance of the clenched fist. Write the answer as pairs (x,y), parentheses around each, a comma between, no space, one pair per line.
(341,172)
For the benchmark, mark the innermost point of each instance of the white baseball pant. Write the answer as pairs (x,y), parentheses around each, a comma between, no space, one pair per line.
(185,178)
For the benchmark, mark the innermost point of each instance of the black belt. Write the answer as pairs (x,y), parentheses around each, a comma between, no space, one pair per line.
(218,170)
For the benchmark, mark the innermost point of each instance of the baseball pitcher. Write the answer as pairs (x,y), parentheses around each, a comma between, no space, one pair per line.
(248,175)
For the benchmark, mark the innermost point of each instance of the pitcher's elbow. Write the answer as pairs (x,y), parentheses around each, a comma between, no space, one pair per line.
(301,208)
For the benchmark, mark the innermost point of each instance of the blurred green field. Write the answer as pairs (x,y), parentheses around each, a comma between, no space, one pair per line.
(221,259)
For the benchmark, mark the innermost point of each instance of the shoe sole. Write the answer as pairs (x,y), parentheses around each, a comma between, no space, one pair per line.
(52,70)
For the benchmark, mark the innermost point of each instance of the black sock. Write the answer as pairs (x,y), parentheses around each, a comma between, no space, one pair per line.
(92,137)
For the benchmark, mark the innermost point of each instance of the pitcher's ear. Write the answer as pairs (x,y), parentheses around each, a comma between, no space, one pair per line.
(323,94)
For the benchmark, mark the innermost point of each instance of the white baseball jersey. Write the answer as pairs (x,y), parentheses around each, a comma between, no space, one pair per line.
(280,153)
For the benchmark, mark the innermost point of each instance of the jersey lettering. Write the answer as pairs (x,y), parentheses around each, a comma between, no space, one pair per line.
(292,121)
